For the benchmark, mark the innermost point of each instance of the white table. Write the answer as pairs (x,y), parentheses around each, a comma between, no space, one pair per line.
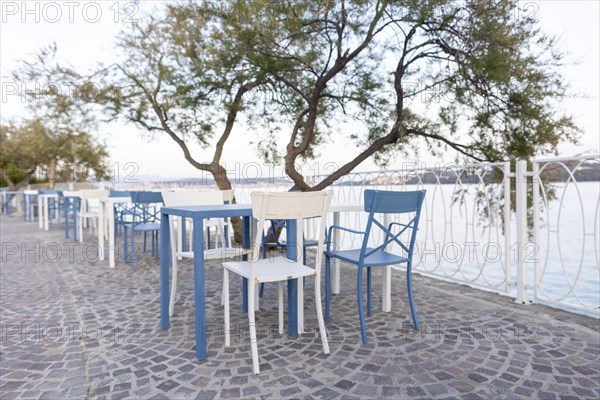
(336,209)
(106,216)
(44,219)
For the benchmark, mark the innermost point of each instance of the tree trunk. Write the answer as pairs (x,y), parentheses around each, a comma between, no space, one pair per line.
(7,180)
(52,174)
(223,183)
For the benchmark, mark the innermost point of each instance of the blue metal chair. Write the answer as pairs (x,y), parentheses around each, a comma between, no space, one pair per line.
(384,202)
(145,218)
(70,203)
(120,210)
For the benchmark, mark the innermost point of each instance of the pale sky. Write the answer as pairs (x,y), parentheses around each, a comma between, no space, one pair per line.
(85,31)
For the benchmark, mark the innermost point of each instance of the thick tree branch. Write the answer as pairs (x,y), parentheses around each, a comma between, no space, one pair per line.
(461,148)
(231,116)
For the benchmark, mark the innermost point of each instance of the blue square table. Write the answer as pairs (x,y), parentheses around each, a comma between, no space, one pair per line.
(197,214)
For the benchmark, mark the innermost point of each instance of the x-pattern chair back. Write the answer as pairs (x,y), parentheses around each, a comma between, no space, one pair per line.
(379,202)
(145,214)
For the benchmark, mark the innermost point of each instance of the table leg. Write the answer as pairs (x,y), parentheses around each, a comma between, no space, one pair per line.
(184,246)
(46,216)
(165,252)
(199,287)
(101,226)
(300,297)
(40,212)
(75,207)
(292,254)
(246,245)
(67,206)
(335,263)
(111,235)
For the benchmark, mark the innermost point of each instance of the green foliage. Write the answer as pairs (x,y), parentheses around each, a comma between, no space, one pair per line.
(57,133)
(28,148)
(474,76)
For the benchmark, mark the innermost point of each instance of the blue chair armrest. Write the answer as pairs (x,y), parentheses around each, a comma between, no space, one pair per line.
(344,229)
(330,231)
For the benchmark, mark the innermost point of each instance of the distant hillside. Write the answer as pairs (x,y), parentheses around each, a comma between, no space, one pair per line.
(588,171)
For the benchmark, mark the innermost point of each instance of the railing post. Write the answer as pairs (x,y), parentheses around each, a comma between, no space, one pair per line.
(536,227)
(521,216)
(507,215)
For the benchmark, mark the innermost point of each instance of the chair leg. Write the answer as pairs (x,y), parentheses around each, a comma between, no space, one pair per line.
(226,307)
(125,245)
(80,228)
(369,291)
(132,250)
(361,312)
(152,243)
(223,296)
(319,306)
(413,310)
(280,305)
(262,285)
(144,242)
(327,287)
(252,325)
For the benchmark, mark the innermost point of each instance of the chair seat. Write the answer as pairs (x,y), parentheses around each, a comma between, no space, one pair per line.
(143,227)
(307,243)
(218,253)
(379,258)
(271,269)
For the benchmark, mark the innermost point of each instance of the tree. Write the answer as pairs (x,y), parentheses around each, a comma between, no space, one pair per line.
(29,148)
(366,65)
(181,77)
(57,138)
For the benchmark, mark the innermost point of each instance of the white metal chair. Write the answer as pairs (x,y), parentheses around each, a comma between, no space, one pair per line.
(87,212)
(196,198)
(267,206)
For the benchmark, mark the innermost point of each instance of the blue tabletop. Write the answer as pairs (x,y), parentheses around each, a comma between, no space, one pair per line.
(225,210)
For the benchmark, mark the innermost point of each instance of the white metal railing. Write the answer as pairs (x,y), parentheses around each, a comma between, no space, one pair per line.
(536,243)
(462,236)
(470,234)
(566,233)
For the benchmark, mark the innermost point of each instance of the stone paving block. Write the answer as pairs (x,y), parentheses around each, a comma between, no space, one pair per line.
(119,350)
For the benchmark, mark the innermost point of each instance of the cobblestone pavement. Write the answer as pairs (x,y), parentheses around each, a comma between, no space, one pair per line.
(73,328)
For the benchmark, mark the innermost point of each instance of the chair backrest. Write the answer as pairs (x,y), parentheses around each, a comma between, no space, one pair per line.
(385,202)
(144,209)
(70,193)
(227,196)
(144,197)
(92,194)
(290,205)
(192,198)
(119,193)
